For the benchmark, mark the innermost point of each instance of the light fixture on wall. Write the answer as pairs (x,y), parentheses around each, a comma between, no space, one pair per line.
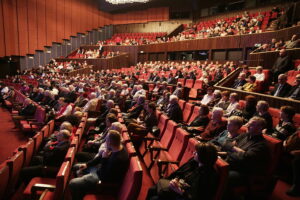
(116,2)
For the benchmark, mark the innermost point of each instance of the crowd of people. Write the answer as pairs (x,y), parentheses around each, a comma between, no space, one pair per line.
(92,54)
(219,122)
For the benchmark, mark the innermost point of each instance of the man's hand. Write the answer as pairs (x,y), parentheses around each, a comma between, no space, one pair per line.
(175,186)
(82,166)
(237,149)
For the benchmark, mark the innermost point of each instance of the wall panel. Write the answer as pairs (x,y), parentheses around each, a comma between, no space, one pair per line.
(22,26)
(11,27)
(2,34)
(60,22)
(50,22)
(32,26)
(41,23)
(68,19)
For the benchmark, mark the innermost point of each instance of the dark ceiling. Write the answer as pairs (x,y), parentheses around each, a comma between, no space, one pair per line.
(177,5)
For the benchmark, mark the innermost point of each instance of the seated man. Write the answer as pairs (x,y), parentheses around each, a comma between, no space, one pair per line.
(281,89)
(200,122)
(248,155)
(233,126)
(240,81)
(26,112)
(113,166)
(295,90)
(53,154)
(174,111)
(196,179)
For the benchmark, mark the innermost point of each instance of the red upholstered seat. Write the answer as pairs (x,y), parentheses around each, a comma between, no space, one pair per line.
(130,149)
(181,80)
(195,90)
(174,153)
(195,113)
(162,124)
(45,131)
(297,120)
(187,112)
(222,169)
(275,113)
(15,165)
(28,150)
(74,143)
(4,178)
(130,187)
(165,141)
(182,104)
(60,182)
(189,83)
(38,138)
(70,155)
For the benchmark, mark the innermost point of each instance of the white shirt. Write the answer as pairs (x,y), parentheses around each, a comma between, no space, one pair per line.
(68,110)
(5,90)
(206,99)
(259,77)
(231,107)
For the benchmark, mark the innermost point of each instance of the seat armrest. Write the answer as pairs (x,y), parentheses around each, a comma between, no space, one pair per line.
(41,187)
(166,162)
(151,138)
(157,148)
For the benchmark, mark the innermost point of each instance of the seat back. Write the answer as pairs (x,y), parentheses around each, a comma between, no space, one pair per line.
(70,155)
(297,120)
(222,169)
(130,149)
(38,139)
(187,112)
(4,178)
(62,179)
(162,124)
(74,143)
(28,150)
(181,104)
(275,147)
(15,165)
(189,83)
(178,145)
(198,84)
(167,138)
(189,151)
(158,114)
(181,80)
(194,114)
(45,131)
(132,181)
(51,126)
(275,115)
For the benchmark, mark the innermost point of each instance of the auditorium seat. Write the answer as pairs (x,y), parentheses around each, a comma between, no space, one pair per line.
(38,139)
(45,131)
(181,80)
(194,92)
(131,184)
(165,142)
(70,155)
(195,113)
(181,104)
(130,149)
(172,154)
(189,83)
(188,111)
(162,125)
(75,143)
(56,186)
(28,150)
(4,178)
(15,165)
(275,113)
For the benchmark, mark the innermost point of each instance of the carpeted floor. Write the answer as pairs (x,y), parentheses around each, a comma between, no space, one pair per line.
(10,138)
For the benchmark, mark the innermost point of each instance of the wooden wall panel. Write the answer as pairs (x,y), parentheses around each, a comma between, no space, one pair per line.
(51,22)
(68,19)
(75,23)
(22,26)
(11,27)
(2,33)
(60,23)
(41,23)
(32,26)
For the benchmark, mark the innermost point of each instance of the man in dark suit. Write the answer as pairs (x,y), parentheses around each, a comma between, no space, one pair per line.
(295,91)
(156,78)
(53,154)
(109,167)
(171,80)
(240,81)
(174,111)
(282,89)
(281,65)
(248,155)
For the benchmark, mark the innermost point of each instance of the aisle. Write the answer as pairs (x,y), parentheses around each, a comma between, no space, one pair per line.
(10,138)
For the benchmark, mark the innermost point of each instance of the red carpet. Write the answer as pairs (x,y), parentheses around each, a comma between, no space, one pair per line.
(279,192)
(10,138)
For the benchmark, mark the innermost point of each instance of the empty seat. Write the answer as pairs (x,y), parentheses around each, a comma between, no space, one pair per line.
(195,113)
(38,139)
(182,104)
(28,150)
(189,83)
(4,178)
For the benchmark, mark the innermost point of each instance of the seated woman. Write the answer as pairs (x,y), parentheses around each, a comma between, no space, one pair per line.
(27,111)
(250,107)
(196,179)
(215,126)
(200,122)
(259,75)
(262,110)
(139,129)
(250,86)
(285,127)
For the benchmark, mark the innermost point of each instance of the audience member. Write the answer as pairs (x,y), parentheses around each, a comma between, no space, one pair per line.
(281,89)
(174,111)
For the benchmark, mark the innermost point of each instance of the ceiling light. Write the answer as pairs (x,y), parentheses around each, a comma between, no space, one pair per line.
(116,2)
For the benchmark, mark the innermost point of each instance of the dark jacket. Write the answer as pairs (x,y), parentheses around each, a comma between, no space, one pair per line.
(55,154)
(282,64)
(174,112)
(113,168)
(284,91)
(293,90)
(150,121)
(29,110)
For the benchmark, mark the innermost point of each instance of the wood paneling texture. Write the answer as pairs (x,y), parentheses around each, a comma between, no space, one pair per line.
(29,25)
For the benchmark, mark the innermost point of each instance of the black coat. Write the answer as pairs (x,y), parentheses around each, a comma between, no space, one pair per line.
(284,91)
(174,112)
